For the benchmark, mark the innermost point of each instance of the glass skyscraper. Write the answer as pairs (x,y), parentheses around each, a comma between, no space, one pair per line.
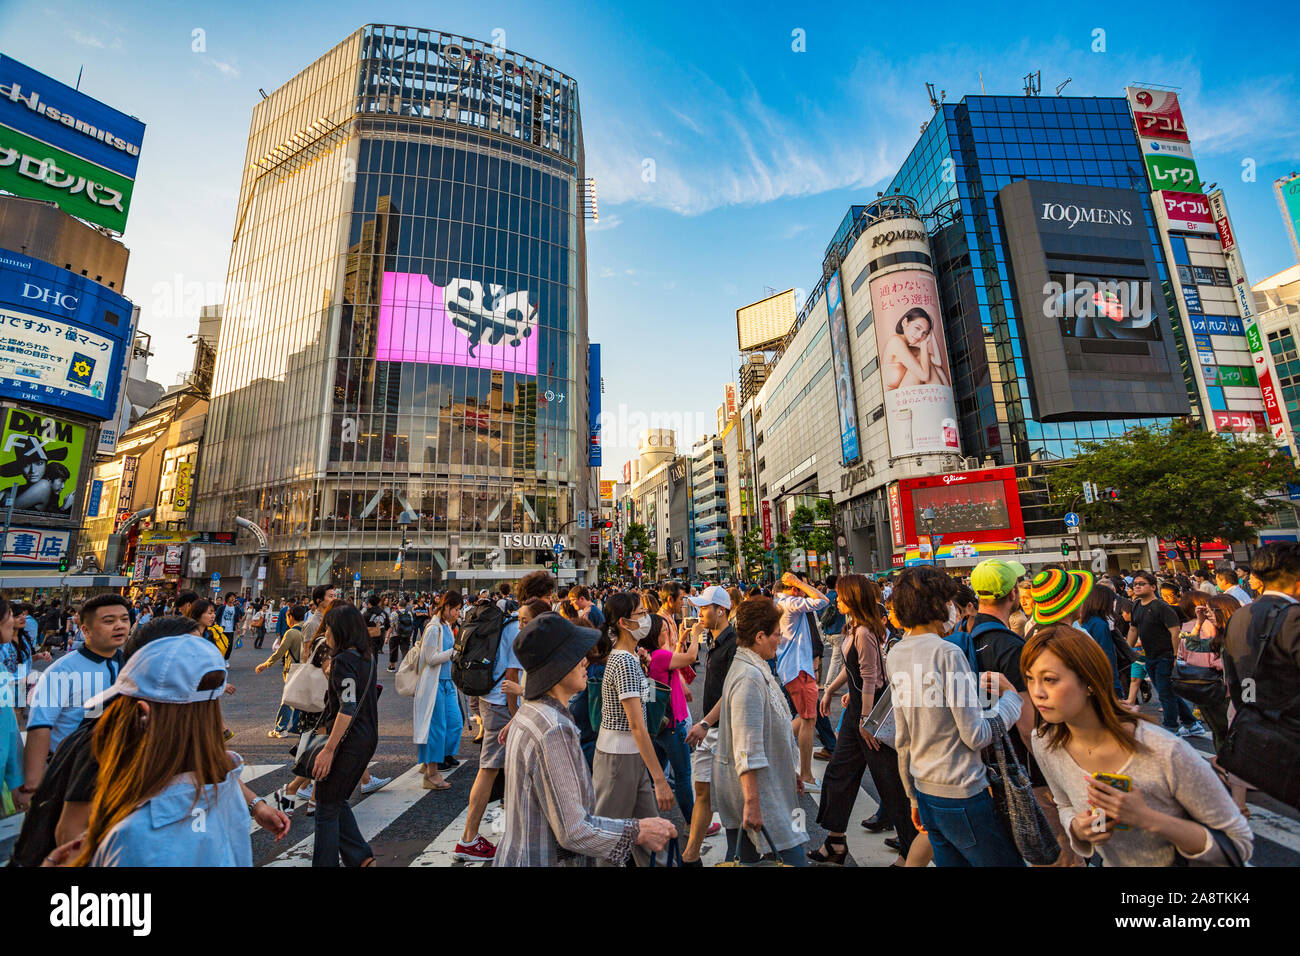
(968,152)
(404,349)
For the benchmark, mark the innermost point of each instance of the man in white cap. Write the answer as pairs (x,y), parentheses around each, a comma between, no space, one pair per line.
(715,607)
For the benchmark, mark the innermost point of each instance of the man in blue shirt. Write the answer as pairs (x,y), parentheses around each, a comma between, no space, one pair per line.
(794,664)
(496,708)
(228,617)
(57,700)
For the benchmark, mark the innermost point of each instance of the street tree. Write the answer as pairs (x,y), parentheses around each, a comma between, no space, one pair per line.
(1177,482)
(729,549)
(751,549)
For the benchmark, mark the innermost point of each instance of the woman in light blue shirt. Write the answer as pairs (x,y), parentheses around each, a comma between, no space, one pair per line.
(174,798)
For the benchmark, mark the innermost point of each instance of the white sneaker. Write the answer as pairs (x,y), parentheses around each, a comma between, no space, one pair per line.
(813,787)
(305,793)
(375,784)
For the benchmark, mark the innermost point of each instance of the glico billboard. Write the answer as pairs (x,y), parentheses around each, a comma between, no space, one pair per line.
(62,337)
(964,507)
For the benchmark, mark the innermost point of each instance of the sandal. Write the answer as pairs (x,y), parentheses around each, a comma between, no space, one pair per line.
(430,785)
(826,854)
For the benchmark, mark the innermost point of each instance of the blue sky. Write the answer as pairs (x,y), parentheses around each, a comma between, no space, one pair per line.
(757,149)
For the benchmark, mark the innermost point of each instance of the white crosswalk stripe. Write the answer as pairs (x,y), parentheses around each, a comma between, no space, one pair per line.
(439,852)
(373,814)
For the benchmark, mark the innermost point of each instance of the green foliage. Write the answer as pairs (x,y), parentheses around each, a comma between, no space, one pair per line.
(782,547)
(1177,482)
(751,549)
(729,548)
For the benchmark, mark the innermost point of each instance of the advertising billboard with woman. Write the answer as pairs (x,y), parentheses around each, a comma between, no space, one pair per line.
(919,406)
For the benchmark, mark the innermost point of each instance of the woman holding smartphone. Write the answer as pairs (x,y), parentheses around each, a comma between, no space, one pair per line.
(1157,797)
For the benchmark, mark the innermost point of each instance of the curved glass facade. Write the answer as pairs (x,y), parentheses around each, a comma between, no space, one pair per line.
(429,377)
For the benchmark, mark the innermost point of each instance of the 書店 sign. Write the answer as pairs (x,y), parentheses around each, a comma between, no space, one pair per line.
(35,547)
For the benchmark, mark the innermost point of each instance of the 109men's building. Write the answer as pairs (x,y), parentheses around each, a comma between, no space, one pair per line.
(404,357)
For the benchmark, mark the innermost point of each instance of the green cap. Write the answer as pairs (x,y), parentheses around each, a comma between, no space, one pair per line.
(994,578)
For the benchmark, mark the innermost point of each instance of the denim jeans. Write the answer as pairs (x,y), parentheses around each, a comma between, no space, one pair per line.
(825,735)
(743,847)
(966,831)
(1175,709)
(286,720)
(671,749)
(337,833)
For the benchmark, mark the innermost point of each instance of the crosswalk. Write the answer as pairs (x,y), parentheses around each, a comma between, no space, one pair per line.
(404,805)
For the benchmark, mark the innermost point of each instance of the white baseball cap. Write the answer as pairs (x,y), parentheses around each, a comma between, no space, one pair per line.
(712,595)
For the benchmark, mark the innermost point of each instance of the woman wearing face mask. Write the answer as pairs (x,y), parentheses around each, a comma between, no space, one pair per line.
(624,751)
(437,709)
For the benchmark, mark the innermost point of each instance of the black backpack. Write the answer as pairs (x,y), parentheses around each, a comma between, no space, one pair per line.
(1262,746)
(405,623)
(36,838)
(474,657)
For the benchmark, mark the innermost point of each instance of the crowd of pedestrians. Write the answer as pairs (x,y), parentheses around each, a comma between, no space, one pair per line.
(999,717)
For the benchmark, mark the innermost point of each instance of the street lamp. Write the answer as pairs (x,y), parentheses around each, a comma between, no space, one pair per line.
(404,519)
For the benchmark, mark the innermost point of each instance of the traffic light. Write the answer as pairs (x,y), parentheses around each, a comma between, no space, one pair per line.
(63,563)
(555,569)
(1109,494)
(1065,547)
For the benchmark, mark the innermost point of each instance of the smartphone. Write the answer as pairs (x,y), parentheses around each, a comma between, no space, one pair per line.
(1120,782)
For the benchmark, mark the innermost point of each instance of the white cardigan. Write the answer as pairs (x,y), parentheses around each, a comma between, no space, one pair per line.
(432,657)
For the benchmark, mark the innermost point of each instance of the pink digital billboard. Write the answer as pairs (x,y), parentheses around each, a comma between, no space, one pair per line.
(461,323)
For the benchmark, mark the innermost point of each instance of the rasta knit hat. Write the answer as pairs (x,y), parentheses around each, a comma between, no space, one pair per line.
(1058,594)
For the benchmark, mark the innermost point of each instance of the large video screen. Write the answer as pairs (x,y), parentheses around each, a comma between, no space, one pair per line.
(461,323)
(951,509)
(1102,307)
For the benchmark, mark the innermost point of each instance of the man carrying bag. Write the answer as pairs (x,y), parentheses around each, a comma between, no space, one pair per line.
(1261,658)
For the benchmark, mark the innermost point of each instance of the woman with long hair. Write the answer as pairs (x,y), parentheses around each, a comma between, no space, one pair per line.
(625,763)
(1162,798)
(1097,616)
(163,765)
(437,718)
(1201,645)
(666,665)
(351,716)
(861,646)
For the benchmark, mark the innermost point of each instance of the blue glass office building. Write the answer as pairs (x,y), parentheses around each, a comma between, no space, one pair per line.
(968,153)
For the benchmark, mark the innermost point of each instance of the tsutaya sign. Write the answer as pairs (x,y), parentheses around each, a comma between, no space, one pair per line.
(535,541)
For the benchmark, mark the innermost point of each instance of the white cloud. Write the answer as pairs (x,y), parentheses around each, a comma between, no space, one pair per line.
(605,224)
(84,40)
(225,69)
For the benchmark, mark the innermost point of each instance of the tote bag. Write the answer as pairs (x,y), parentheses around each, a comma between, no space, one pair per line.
(305,688)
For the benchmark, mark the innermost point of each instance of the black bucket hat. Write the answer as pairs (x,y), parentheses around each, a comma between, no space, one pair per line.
(549,647)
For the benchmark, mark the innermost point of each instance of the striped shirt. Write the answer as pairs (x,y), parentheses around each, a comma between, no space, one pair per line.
(548,807)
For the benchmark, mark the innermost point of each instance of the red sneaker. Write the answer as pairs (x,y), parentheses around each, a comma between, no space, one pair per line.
(713,830)
(480,851)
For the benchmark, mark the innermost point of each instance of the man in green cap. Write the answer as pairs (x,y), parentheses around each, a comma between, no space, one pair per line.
(997,648)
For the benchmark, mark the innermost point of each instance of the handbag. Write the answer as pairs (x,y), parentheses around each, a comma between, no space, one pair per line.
(1224,843)
(313,742)
(657,717)
(305,687)
(672,855)
(880,722)
(1201,685)
(771,858)
(1015,803)
(408,672)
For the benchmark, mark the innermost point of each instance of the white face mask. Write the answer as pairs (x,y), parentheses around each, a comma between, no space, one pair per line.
(642,629)
(953,618)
